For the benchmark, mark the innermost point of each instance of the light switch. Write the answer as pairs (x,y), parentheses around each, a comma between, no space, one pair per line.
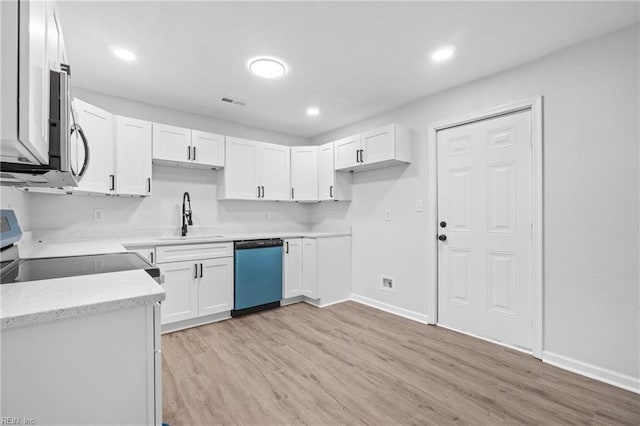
(387,215)
(419,206)
(98,215)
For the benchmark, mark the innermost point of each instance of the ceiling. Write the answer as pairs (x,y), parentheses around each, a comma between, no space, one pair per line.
(350,59)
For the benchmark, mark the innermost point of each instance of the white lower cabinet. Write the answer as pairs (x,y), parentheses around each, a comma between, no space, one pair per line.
(310,268)
(180,284)
(199,286)
(216,286)
(292,266)
(318,269)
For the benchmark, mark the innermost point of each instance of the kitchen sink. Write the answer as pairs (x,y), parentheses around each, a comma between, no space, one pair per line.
(190,237)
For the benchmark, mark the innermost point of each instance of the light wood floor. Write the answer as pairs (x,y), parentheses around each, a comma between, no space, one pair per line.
(351,364)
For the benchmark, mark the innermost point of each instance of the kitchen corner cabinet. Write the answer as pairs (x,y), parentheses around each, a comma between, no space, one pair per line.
(198,280)
(97,125)
(133,156)
(331,184)
(292,268)
(255,171)
(383,147)
(304,173)
(187,148)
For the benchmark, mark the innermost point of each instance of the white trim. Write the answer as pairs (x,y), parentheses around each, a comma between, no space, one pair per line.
(318,302)
(535,105)
(497,342)
(592,371)
(195,322)
(412,315)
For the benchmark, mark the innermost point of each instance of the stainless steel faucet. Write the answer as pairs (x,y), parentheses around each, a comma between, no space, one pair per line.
(186,213)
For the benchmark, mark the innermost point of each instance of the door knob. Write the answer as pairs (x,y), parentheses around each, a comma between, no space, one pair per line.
(443,224)
(442,237)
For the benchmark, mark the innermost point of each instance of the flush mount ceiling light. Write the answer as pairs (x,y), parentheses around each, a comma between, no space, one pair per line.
(312,111)
(124,54)
(443,53)
(267,67)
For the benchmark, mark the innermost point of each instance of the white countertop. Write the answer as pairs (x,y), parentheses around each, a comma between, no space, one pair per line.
(32,302)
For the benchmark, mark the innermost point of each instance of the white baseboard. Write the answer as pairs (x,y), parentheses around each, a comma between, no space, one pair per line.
(195,322)
(592,371)
(405,313)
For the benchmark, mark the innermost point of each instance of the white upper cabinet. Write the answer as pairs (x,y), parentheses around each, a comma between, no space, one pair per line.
(331,184)
(255,171)
(383,147)
(97,125)
(207,148)
(188,148)
(171,144)
(304,173)
(346,152)
(133,156)
(274,163)
(239,179)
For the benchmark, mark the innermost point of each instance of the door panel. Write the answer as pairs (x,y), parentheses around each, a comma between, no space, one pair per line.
(484,196)
(133,156)
(182,291)
(171,143)
(326,172)
(345,151)
(240,173)
(304,173)
(379,145)
(97,125)
(292,268)
(208,148)
(275,171)
(216,286)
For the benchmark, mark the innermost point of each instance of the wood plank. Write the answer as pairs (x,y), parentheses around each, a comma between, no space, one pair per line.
(352,364)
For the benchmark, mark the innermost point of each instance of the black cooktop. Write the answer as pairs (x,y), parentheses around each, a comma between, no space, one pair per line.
(21,270)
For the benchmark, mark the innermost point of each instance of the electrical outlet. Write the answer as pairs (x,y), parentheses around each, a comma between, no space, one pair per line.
(98,215)
(387,215)
(387,283)
(419,206)
(270,214)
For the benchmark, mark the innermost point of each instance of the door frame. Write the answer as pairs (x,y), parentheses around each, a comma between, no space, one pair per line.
(535,106)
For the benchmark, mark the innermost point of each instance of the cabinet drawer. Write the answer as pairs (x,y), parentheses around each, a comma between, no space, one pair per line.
(193,251)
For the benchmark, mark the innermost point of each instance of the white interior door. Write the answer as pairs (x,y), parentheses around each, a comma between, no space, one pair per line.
(485,198)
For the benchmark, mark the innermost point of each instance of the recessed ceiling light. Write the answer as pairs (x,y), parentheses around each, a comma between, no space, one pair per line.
(267,67)
(124,54)
(313,111)
(443,53)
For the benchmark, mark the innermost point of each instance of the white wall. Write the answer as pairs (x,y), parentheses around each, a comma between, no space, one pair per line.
(13,199)
(591,193)
(73,214)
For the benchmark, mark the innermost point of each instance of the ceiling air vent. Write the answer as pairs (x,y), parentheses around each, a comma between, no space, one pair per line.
(235,101)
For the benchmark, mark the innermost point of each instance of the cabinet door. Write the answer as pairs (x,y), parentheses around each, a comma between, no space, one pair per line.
(310,268)
(345,152)
(379,144)
(181,286)
(292,268)
(171,143)
(274,171)
(133,156)
(215,286)
(207,148)
(326,172)
(304,173)
(34,78)
(97,125)
(240,172)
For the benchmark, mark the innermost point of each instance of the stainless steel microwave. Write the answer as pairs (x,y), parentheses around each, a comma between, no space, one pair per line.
(39,137)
